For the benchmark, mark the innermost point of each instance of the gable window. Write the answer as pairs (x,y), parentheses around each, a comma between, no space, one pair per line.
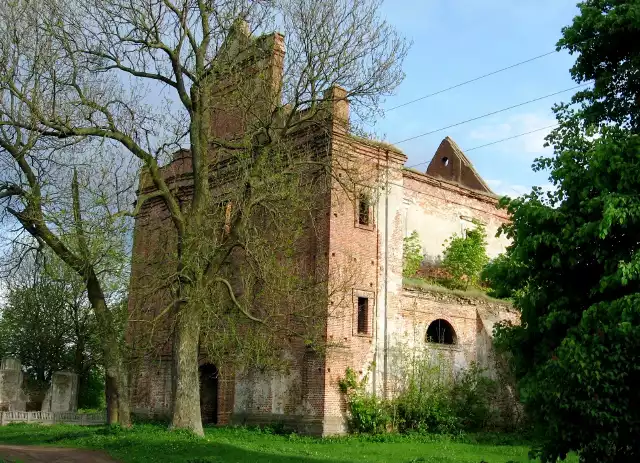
(441,332)
(363,315)
(364,205)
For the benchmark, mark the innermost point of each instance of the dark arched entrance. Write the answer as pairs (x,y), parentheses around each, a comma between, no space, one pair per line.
(440,331)
(209,393)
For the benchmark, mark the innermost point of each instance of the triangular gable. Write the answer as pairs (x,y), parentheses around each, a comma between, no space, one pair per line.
(450,163)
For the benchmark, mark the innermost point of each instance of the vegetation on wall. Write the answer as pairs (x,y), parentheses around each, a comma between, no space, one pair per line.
(465,256)
(412,255)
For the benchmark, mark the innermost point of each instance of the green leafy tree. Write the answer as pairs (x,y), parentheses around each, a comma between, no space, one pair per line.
(605,37)
(576,255)
(577,258)
(465,256)
(34,328)
(412,255)
(47,323)
(495,276)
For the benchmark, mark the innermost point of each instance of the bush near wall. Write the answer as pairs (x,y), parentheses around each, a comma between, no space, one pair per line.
(425,403)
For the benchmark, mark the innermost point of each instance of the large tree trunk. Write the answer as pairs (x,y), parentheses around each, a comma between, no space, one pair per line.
(111,392)
(116,384)
(124,410)
(186,379)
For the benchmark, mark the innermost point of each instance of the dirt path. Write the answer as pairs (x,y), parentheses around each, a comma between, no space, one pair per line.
(28,454)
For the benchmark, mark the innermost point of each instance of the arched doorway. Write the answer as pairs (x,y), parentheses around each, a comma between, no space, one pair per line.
(441,332)
(209,393)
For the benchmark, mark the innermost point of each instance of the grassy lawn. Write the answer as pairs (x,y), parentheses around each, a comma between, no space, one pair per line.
(146,443)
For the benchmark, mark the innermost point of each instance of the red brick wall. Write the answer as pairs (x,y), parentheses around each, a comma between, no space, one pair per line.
(354,249)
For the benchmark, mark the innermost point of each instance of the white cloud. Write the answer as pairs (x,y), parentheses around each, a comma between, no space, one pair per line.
(503,188)
(517,124)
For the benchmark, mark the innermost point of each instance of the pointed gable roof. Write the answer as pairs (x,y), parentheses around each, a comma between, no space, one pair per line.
(450,163)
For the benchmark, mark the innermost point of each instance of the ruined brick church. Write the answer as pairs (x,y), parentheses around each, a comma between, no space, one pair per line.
(382,312)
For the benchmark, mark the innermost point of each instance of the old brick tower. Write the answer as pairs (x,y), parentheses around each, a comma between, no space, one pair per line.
(374,315)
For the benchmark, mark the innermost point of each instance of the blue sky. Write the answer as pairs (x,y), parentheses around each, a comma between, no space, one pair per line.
(457,40)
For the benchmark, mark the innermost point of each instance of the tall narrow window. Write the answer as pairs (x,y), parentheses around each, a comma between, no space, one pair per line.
(363,209)
(363,315)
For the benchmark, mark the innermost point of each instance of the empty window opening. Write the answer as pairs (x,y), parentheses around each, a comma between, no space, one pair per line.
(363,209)
(441,332)
(445,161)
(363,315)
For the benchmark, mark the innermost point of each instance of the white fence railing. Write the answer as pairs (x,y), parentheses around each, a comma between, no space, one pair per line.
(53,418)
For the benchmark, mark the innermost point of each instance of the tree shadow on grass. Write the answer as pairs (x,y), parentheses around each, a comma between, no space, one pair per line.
(155,444)
(39,435)
(203,452)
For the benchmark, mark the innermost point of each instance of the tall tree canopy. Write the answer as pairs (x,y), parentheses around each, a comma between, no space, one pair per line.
(605,37)
(575,255)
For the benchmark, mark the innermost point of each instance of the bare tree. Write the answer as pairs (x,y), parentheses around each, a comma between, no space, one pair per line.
(60,209)
(63,193)
(231,100)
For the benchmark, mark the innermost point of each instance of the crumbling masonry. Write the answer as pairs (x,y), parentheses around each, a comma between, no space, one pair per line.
(380,313)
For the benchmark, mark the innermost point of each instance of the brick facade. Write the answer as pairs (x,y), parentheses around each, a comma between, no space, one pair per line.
(359,233)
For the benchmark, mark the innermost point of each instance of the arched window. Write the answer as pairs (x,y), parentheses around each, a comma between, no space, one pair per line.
(441,332)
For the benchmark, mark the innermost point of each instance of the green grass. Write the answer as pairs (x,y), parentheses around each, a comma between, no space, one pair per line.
(152,443)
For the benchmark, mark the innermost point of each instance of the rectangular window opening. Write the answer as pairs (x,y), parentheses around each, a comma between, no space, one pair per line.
(363,209)
(363,315)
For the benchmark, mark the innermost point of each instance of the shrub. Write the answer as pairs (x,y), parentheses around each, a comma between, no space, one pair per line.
(91,390)
(473,395)
(425,411)
(367,413)
(498,274)
(412,255)
(425,402)
(465,256)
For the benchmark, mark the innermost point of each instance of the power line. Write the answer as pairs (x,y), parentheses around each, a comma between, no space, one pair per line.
(495,142)
(488,114)
(471,80)
(511,138)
